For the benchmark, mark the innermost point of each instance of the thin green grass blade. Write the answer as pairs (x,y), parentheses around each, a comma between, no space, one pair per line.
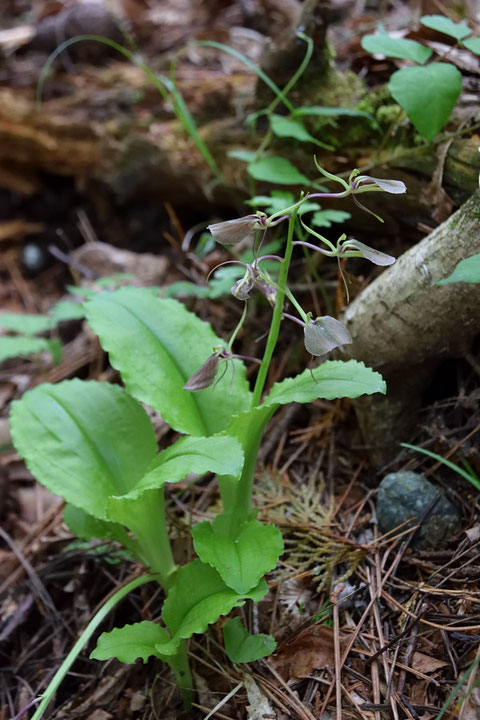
(165,87)
(473,479)
(280,94)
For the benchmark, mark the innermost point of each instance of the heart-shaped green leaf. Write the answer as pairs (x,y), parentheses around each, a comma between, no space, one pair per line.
(157,345)
(243,558)
(427,94)
(467,271)
(384,44)
(198,598)
(130,642)
(333,379)
(276,170)
(241,647)
(472,44)
(443,24)
(92,440)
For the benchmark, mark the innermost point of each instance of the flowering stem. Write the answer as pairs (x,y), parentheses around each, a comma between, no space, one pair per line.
(293,319)
(277,315)
(311,246)
(237,329)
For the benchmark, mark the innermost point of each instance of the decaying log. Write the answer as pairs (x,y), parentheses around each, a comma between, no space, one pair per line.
(161,161)
(283,55)
(404,325)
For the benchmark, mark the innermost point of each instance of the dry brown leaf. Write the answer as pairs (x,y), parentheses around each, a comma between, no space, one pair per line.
(99,715)
(312,649)
(425,663)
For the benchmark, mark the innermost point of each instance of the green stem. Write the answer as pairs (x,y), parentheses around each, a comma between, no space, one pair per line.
(181,669)
(147,522)
(277,315)
(84,638)
(238,328)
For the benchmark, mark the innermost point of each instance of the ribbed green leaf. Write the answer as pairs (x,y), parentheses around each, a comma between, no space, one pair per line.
(242,558)
(198,598)
(83,440)
(25,323)
(333,379)
(157,345)
(130,642)
(11,347)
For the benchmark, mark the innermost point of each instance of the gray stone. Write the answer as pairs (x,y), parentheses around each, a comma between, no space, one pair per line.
(404,495)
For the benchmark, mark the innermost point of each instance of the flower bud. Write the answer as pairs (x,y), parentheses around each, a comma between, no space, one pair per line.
(324,334)
(369,253)
(395,187)
(232,232)
(205,375)
(242,288)
(268,291)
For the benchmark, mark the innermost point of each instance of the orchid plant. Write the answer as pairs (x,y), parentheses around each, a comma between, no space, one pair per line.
(94,443)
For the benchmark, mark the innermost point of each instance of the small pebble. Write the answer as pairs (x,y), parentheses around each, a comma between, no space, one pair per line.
(404,495)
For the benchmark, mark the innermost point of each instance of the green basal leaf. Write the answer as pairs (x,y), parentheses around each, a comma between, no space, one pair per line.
(325,218)
(198,598)
(384,44)
(241,647)
(219,455)
(157,345)
(467,271)
(472,44)
(333,379)
(277,201)
(243,155)
(131,642)
(291,127)
(183,288)
(427,95)
(67,310)
(446,26)
(11,347)
(276,170)
(243,558)
(25,323)
(83,440)
(87,527)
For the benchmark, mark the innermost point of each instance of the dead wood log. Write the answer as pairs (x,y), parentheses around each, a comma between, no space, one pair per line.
(404,325)
(281,56)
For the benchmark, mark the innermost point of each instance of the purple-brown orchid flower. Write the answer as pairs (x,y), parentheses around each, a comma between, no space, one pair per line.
(207,373)
(232,232)
(322,334)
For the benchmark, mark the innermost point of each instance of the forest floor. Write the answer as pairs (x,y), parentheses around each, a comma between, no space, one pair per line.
(368,625)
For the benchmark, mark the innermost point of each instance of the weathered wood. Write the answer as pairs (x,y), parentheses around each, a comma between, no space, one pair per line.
(404,325)
(132,158)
